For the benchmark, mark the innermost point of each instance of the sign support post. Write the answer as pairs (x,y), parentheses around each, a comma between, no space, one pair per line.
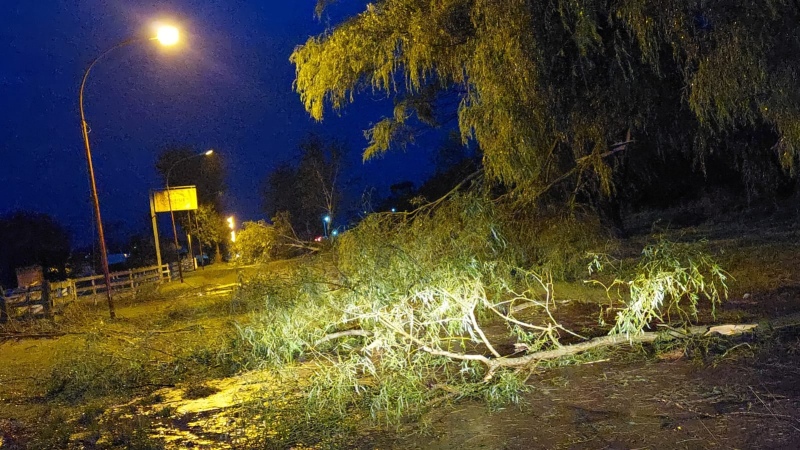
(155,232)
(183,198)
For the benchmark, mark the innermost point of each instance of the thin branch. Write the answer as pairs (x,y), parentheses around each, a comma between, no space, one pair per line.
(340,334)
(515,321)
(435,351)
(615,148)
(483,336)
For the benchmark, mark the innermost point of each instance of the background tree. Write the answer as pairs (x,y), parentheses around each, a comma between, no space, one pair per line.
(255,242)
(184,167)
(141,250)
(453,161)
(556,92)
(309,191)
(28,238)
(211,229)
(319,169)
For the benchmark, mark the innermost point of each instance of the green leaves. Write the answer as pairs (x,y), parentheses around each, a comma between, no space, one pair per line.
(668,283)
(255,242)
(579,73)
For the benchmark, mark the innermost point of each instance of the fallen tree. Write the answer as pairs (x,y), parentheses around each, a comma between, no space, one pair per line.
(441,297)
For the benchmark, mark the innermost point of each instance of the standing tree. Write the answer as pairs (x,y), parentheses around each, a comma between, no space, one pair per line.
(211,229)
(319,169)
(279,193)
(553,92)
(28,238)
(309,191)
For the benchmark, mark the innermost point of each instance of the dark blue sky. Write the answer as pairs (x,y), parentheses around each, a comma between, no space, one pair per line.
(229,87)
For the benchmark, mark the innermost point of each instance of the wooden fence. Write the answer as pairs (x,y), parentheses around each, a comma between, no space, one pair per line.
(34,300)
(120,281)
(42,298)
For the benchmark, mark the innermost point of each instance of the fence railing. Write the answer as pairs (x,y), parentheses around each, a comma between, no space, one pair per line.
(43,297)
(35,299)
(187,265)
(120,281)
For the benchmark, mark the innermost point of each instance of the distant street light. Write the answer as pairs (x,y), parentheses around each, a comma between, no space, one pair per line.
(232,226)
(172,214)
(166,36)
(325,223)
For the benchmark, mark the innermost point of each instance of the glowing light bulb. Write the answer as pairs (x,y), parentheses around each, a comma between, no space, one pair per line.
(168,35)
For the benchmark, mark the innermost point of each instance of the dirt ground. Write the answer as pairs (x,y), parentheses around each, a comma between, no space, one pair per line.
(639,405)
(741,392)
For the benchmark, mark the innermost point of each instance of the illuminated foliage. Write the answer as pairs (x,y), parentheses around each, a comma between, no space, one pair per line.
(406,302)
(667,284)
(546,87)
(255,242)
(455,299)
(210,227)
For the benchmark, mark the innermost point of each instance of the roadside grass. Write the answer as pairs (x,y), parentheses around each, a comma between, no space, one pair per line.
(170,336)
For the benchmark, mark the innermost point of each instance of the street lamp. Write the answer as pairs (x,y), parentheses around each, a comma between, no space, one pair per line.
(325,223)
(169,201)
(166,36)
(232,226)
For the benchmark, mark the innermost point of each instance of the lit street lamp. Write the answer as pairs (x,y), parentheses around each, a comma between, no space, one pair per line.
(325,224)
(166,36)
(171,213)
(232,226)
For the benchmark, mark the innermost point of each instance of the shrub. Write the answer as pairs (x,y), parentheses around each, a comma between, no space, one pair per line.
(255,242)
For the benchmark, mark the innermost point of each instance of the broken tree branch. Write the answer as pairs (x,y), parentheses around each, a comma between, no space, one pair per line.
(340,334)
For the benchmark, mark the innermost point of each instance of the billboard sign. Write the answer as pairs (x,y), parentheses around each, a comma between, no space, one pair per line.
(182,198)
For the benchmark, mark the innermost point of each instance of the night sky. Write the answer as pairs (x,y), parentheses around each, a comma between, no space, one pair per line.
(227,87)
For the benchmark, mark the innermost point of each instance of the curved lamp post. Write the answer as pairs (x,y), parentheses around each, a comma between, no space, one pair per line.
(169,201)
(166,36)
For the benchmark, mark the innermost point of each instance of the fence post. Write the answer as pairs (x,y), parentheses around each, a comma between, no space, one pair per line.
(46,305)
(3,307)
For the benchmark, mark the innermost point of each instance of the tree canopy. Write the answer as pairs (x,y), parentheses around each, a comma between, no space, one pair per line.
(308,191)
(28,238)
(554,88)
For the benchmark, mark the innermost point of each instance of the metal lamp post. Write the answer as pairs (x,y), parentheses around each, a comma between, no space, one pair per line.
(166,36)
(325,224)
(171,213)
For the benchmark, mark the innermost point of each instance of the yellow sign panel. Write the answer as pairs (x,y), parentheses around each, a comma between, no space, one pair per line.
(182,198)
